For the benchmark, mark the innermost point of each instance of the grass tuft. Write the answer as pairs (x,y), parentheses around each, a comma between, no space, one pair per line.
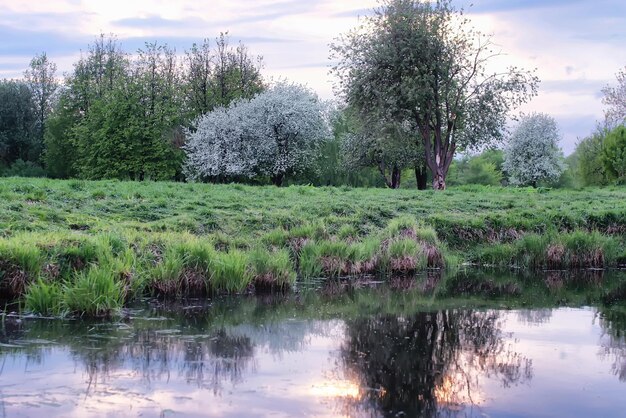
(94,292)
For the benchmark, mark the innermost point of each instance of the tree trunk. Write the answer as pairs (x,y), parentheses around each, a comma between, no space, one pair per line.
(439,180)
(395,177)
(277,179)
(421,176)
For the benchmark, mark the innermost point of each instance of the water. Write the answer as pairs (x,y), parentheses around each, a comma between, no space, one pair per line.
(364,353)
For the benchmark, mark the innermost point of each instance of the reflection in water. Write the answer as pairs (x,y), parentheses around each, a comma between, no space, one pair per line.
(362,352)
(205,361)
(428,363)
(613,342)
(534,316)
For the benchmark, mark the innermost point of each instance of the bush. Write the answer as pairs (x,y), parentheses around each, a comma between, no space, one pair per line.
(22,168)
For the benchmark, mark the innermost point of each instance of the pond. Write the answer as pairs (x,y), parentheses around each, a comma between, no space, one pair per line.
(359,352)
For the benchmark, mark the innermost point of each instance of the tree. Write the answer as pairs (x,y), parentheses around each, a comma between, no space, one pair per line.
(104,67)
(60,148)
(125,133)
(275,134)
(588,158)
(485,169)
(533,153)
(613,155)
(383,145)
(217,77)
(41,80)
(17,123)
(418,61)
(615,99)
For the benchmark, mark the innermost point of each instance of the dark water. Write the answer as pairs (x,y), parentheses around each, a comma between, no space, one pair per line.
(363,353)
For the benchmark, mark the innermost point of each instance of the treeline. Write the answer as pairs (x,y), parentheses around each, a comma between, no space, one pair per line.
(599,160)
(118,115)
(207,114)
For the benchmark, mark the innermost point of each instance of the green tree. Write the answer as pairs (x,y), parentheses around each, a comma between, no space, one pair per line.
(331,168)
(382,144)
(41,80)
(485,169)
(590,169)
(216,77)
(60,146)
(102,69)
(17,123)
(119,139)
(419,61)
(613,155)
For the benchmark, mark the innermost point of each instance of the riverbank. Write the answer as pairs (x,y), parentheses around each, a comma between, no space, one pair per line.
(87,248)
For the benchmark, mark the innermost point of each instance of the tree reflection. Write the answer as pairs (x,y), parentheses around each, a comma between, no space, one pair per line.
(613,341)
(427,364)
(207,361)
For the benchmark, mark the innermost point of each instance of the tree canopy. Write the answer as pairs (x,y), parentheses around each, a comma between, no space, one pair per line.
(274,134)
(615,99)
(419,61)
(533,153)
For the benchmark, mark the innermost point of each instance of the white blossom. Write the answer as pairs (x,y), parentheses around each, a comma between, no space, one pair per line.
(274,134)
(533,153)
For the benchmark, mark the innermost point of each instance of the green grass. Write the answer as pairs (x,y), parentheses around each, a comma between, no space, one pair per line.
(271,269)
(176,239)
(44,298)
(94,292)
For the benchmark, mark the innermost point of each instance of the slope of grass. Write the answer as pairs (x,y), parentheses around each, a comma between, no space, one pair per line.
(69,237)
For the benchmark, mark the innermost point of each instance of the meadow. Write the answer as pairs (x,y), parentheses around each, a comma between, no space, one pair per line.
(88,247)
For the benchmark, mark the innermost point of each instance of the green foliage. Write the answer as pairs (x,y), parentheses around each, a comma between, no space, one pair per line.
(310,266)
(391,68)
(485,169)
(577,249)
(331,167)
(18,139)
(224,237)
(23,254)
(614,155)
(21,168)
(118,140)
(403,247)
(60,152)
(165,277)
(590,168)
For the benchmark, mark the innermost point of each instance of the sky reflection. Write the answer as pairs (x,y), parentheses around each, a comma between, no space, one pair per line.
(561,362)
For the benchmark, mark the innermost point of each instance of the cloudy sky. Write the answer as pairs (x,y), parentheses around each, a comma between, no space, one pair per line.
(577,46)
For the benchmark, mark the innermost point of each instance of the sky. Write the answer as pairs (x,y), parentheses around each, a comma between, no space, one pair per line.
(577,46)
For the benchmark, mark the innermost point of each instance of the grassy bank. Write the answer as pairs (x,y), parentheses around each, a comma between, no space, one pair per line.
(88,247)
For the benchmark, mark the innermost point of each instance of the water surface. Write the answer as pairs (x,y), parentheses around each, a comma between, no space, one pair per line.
(339,356)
